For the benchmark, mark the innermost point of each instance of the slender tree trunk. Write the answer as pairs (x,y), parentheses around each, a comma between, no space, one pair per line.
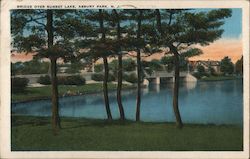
(55,109)
(138,98)
(120,71)
(53,68)
(106,68)
(138,58)
(105,87)
(119,87)
(177,73)
(176,91)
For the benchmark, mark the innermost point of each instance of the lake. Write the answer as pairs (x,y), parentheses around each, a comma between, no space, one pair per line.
(217,102)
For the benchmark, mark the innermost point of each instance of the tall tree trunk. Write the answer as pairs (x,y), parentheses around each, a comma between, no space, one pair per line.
(120,71)
(177,72)
(105,87)
(53,68)
(106,68)
(119,87)
(138,58)
(138,98)
(176,91)
(55,104)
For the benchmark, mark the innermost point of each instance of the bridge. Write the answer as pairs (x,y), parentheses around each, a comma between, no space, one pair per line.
(157,76)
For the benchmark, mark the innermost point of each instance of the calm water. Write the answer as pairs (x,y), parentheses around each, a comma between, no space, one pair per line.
(202,102)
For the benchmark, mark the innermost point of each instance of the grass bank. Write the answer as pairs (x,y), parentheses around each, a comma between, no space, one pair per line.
(219,78)
(35,93)
(78,134)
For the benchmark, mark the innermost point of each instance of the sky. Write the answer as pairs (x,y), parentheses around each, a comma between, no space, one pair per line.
(230,44)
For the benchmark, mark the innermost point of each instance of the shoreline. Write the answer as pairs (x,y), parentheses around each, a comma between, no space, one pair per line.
(130,87)
(69,95)
(66,118)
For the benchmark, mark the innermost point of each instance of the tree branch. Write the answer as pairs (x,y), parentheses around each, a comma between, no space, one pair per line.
(170,18)
(36,20)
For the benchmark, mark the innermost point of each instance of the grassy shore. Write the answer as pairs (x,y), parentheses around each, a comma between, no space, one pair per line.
(219,78)
(34,93)
(78,134)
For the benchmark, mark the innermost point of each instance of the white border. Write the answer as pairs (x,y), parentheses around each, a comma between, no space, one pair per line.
(5,82)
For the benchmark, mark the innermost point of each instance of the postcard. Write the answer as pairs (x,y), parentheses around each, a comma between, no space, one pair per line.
(125,79)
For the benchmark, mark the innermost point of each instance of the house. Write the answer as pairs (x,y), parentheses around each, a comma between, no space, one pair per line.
(215,65)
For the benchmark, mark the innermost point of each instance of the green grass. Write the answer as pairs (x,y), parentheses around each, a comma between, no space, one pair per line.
(78,134)
(219,78)
(33,93)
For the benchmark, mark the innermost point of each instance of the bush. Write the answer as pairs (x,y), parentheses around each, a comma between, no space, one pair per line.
(200,75)
(45,80)
(132,78)
(197,75)
(18,84)
(71,80)
(128,65)
(100,77)
(98,68)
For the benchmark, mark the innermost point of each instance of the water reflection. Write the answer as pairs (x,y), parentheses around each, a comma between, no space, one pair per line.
(202,102)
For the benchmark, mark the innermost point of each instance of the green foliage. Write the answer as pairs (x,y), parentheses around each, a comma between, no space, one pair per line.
(200,72)
(18,84)
(212,71)
(201,69)
(100,77)
(239,66)
(74,67)
(226,66)
(197,75)
(45,80)
(99,68)
(132,77)
(28,67)
(63,80)
(128,65)
(15,68)
(155,65)
(113,66)
(29,32)
(71,80)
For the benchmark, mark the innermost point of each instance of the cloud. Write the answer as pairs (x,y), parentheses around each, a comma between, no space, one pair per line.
(221,48)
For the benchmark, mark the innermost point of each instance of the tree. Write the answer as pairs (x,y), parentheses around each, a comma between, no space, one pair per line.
(140,38)
(116,19)
(36,31)
(239,66)
(180,30)
(201,70)
(226,66)
(101,48)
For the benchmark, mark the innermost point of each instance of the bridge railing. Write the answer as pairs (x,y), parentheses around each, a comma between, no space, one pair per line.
(164,74)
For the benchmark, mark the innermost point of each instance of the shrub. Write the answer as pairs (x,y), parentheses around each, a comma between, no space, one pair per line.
(197,75)
(97,77)
(71,80)
(132,78)
(100,77)
(18,84)
(200,75)
(45,80)
(74,80)
(98,67)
